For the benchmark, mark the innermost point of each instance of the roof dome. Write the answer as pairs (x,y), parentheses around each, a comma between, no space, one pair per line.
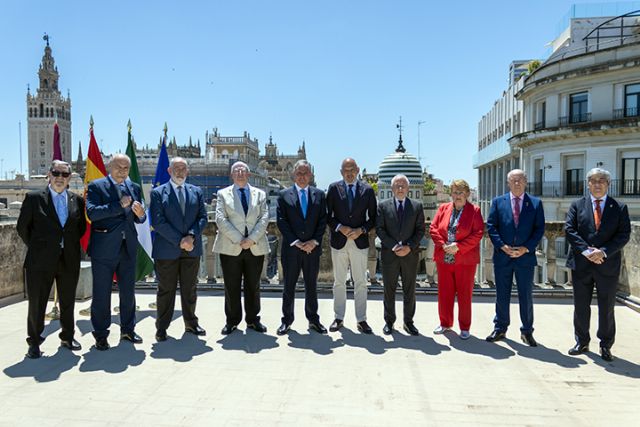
(400,163)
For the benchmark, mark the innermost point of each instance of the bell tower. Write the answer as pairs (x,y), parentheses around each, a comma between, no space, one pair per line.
(43,109)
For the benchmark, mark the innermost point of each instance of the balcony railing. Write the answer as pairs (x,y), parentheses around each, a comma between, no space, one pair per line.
(576,118)
(539,125)
(621,113)
(559,189)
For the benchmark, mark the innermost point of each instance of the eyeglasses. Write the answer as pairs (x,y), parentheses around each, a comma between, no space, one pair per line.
(58,173)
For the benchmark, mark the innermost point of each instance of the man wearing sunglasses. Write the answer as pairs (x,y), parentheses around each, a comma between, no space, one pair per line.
(51,223)
(113,206)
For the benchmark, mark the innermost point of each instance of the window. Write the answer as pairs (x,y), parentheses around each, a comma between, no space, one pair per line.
(541,115)
(631,100)
(631,176)
(574,180)
(578,108)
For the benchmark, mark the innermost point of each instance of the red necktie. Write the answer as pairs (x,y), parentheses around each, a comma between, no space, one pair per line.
(597,214)
(516,210)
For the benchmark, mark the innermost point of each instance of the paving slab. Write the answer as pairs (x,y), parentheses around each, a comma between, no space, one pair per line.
(340,379)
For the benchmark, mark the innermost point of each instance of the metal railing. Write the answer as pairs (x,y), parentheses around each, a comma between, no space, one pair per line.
(539,125)
(621,113)
(560,189)
(576,118)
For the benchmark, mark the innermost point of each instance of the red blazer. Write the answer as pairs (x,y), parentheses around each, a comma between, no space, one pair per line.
(468,235)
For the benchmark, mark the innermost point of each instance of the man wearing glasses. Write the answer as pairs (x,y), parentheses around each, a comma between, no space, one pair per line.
(51,223)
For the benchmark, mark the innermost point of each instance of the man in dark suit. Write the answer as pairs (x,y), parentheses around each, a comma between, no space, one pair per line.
(302,220)
(242,217)
(178,216)
(113,206)
(351,213)
(515,225)
(400,227)
(597,228)
(51,223)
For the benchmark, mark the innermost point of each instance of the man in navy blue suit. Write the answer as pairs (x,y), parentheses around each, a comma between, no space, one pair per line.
(515,225)
(178,216)
(302,220)
(113,206)
(597,228)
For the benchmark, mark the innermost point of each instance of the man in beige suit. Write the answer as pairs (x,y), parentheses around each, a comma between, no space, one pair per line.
(242,217)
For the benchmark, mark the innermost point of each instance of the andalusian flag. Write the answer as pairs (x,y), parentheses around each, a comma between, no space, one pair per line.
(144,262)
(94,169)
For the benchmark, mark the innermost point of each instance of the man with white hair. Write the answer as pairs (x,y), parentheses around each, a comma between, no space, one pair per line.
(242,217)
(179,217)
(114,207)
(400,227)
(597,227)
(515,225)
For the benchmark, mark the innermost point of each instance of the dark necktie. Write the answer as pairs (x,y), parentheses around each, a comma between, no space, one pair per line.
(243,200)
(516,210)
(350,196)
(597,214)
(181,199)
(400,210)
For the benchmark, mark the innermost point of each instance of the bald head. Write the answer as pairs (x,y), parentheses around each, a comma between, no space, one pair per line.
(349,170)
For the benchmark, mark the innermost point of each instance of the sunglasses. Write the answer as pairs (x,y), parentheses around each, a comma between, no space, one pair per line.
(59,173)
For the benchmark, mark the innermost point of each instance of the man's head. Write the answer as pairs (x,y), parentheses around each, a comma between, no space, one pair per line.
(119,167)
(349,170)
(400,186)
(517,182)
(59,175)
(240,173)
(598,180)
(302,174)
(179,170)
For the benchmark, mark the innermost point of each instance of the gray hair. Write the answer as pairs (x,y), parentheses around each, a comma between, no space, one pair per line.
(596,172)
(178,159)
(399,177)
(120,156)
(58,163)
(301,163)
(517,172)
(239,163)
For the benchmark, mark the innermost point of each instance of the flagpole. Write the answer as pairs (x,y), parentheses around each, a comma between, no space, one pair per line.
(87,311)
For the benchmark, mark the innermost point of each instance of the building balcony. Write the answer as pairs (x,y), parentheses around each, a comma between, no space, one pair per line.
(576,118)
(560,189)
(623,113)
(538,126)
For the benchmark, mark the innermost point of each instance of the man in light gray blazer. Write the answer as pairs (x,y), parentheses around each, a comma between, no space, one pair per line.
(242,217)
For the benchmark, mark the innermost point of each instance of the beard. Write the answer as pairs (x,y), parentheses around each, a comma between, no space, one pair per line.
(178,181)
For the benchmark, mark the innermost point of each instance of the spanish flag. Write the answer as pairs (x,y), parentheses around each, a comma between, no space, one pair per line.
(94,169)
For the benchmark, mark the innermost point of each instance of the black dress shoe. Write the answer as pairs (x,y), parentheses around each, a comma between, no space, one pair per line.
(317,326)
(257,326)
(195,330)
(132,337)
(102,344)
(72,345)
(578,349)
(528,339)
(283,329)
(336,325)
(161,335)
(606,355)
(388,328)
(34,351)
(228,329)
(496,335)
(410,329)
(364,327)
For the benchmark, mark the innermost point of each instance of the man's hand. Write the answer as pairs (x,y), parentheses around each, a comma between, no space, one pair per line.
(355,233)
(518,251)
(125,201)
(401,250)
(307,246)
(187,243)
(596,256)
(345,230)
(137,208)
(246,243)
(451,248)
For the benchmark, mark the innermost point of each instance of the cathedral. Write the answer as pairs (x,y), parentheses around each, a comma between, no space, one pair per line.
(43,109)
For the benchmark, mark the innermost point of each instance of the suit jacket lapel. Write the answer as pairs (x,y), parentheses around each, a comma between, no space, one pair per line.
(50,207)
(588,208)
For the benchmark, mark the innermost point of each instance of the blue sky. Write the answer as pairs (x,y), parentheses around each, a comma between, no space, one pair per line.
(336,74)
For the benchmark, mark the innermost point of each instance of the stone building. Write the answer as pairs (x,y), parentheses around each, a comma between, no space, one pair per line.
(43,109)
(280,166)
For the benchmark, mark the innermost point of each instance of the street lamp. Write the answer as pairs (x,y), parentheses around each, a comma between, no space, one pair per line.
(420,122)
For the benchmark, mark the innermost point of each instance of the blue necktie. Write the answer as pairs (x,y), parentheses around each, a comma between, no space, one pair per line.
(303,203)
(61,208)
(350,196)
(400,211)
(243,200)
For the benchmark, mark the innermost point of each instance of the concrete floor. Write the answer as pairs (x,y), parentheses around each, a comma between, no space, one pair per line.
(342,379)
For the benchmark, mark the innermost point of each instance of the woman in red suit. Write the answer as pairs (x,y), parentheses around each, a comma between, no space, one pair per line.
(456,231)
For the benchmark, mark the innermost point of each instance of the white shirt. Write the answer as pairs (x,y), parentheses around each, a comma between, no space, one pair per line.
(247,192)
(602,202)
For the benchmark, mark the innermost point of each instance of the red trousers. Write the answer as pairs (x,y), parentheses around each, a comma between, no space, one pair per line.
(455,279)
